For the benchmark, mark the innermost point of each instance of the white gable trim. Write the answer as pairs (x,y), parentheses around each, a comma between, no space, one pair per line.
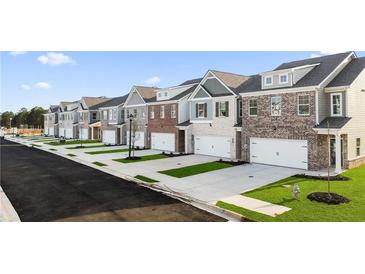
(134,89)
(222,83)
(191,97)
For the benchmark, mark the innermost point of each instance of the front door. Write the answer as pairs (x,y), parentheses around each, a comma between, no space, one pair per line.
(333,152)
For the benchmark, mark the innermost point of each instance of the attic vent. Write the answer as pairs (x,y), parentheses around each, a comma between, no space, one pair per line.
(363,90)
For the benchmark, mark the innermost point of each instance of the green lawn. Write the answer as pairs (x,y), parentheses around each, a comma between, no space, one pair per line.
(195,169)
(99,164)
(306,211)
(71,155)
(72,142)
(82,147)
(145,179)
(107,151)
(143,158)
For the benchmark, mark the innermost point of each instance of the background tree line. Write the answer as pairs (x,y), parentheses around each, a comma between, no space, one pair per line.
(23,118)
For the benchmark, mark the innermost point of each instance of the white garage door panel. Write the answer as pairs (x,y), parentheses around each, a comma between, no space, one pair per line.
(279,152)
(213,146)
(62,132)
(163,141)
(83,133)
(109,137)
(139,139)
(51,131)
(69,133)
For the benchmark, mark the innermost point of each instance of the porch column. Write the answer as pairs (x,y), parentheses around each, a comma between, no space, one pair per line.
(338,168)
(92,133)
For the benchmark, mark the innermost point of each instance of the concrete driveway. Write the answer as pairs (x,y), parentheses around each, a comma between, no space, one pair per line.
(213,186)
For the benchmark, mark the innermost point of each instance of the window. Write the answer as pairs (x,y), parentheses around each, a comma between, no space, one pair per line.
(105,114)
(201,110)
(336,104)
(135,113)
(127,111)
(173,111)
(276,106)
(162,112)
(152,112)
(165,93)
(252,107)
(303,105)
(240,108)
(159,94)
(358,145)
(94,115)
(110,114)
(268,80)
(114,114)
(283,78)
(143,114)
(221,109)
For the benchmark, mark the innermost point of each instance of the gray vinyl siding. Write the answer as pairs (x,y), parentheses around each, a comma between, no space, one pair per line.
(300,73)
(215,87)
(324,104)
(209,110)
(201,94)
(275,81)
(135,99)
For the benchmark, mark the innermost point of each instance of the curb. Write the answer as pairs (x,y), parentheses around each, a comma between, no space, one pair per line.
(7,211)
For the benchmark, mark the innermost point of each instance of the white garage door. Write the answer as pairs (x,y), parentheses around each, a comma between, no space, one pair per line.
(69,133)
(51,131)
(213,146)
(83,133)
(139,139)
(279,152)
(163,141)
(62,132)
(109,137)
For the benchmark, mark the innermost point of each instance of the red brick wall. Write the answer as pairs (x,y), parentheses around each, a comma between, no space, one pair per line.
(165,125)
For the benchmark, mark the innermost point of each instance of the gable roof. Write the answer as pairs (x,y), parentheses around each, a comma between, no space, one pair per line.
(54,108)
(326,65)
(231,80)
(113,102)
(348,75)
(146,92)
(91,101)
(192,81)
(176,97)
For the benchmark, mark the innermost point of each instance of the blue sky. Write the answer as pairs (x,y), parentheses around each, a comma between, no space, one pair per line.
(42,78)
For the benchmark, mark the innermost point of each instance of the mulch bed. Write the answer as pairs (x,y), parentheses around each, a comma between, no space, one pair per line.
(324,178)
(171,154)
(233,163)
(133,158)
(328,198)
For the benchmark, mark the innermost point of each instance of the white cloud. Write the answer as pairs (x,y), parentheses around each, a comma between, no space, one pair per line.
(153,80)
(55,59)
(15,53)
(25,87)
(324,52)
(43,85)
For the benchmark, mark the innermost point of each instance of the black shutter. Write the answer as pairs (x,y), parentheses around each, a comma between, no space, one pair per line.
(216,109)
(227,109)
(196,110)
(205,110)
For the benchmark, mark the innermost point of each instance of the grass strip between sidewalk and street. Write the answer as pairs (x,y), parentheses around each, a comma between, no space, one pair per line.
(146,179)
(82,147)
(142,158)
(195,169)
(107,151)
(99,163)
(72,142)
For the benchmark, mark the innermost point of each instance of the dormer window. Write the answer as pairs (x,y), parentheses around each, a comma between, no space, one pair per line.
(283,78)
(165,93)
(159,94)
(268,80)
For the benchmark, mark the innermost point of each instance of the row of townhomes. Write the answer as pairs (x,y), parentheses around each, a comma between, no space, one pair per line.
(303,114)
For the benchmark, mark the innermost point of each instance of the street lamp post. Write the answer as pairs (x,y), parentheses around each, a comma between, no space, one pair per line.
(130,135)
(10,125)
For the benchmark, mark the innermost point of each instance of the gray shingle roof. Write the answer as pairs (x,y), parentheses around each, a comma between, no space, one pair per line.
(348,75)
(113,102)
(333,122)
(184,124)
(326,65)
(176,97)
(192,81)
(54,108)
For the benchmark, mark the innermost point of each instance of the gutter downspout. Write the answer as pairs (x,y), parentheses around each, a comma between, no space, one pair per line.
(317,105)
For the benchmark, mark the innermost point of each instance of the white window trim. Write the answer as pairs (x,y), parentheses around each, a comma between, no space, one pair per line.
(304,105)
(219,109)
(173,111)
(357,147)
(201,117)
(152,112)
(272,80)
(281,101)
(341,106)
(162,112)
(287,78)
(249,107)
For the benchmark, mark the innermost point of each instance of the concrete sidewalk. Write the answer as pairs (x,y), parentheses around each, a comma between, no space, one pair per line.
(7,211)
(256,205)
